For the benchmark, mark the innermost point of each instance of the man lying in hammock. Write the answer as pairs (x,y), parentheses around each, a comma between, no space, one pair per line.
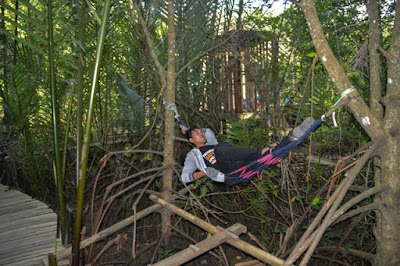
(216,160)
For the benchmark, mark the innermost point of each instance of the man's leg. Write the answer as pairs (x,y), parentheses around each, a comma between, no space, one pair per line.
(228,152)
(296,133)
(230,158)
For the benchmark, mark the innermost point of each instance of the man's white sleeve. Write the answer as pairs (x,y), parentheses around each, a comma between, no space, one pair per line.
(189,168)
(210,137)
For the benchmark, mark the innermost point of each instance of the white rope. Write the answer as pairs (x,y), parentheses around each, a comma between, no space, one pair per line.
(344,94)
(334,119)
(172,107)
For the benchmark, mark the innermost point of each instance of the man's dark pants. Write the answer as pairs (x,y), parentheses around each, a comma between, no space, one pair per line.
(230,158)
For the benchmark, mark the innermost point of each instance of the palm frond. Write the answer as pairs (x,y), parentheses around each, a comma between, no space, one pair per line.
(132,105)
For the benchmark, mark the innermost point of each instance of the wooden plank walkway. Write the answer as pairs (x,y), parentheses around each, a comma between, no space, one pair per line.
(27,229)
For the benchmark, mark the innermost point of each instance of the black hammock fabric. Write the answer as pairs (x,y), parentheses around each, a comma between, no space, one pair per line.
(247,172)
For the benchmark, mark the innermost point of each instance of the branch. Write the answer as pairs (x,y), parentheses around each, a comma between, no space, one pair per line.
(134,208)
(356,200)
(312,239)
(366,208)
(362,113)
(353,173)
(105,248)
(150,45)
(365,255)
(384,52)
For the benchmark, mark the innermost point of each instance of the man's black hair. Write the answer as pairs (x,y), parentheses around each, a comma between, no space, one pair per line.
(189,132)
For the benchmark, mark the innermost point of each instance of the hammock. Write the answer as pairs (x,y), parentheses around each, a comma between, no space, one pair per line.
(247,172)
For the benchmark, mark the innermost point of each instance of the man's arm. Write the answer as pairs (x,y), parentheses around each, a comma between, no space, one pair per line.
(197,175)
(189,168)
(183,129)
(210,136)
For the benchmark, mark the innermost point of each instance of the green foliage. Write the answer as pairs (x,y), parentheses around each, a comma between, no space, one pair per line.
(345,251)
(248,133)
(22,101)
(132,106)
(128,207)
(165,253)
(206,186)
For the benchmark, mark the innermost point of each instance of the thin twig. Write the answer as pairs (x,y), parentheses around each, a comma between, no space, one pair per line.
(270,201)
(293,228)
(104,249)
(327,258)
(333,203)
(134,208)
(345,236)
(156,249)
(361,254)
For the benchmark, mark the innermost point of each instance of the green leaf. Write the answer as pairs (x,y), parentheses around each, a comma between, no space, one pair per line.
(315,201)
(312,54)
(146,157)
(203,191)
(210,186)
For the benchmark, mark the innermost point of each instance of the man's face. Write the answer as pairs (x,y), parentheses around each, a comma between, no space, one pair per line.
(198,138)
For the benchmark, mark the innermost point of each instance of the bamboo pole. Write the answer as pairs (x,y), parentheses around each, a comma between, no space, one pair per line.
(58,174)
(237,243)
(194,251)
(80,82)
(86,141)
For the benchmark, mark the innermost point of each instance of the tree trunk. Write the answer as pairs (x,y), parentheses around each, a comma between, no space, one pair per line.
(168,86)
(388,233)
(375,86)
(374,42)
(386,129)
(169,124)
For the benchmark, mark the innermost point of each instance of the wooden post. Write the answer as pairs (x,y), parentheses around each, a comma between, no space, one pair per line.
(194,251)
(237,84)
(237,243)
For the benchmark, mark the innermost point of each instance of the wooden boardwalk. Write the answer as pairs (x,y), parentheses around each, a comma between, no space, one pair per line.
(27,229)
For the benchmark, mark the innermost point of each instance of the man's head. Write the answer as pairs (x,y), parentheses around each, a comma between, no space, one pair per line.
(196,136)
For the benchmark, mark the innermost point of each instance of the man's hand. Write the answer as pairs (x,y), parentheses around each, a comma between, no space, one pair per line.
(183,129)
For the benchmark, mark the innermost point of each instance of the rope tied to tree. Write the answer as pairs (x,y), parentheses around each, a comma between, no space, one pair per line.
(172,107)
(338,103)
